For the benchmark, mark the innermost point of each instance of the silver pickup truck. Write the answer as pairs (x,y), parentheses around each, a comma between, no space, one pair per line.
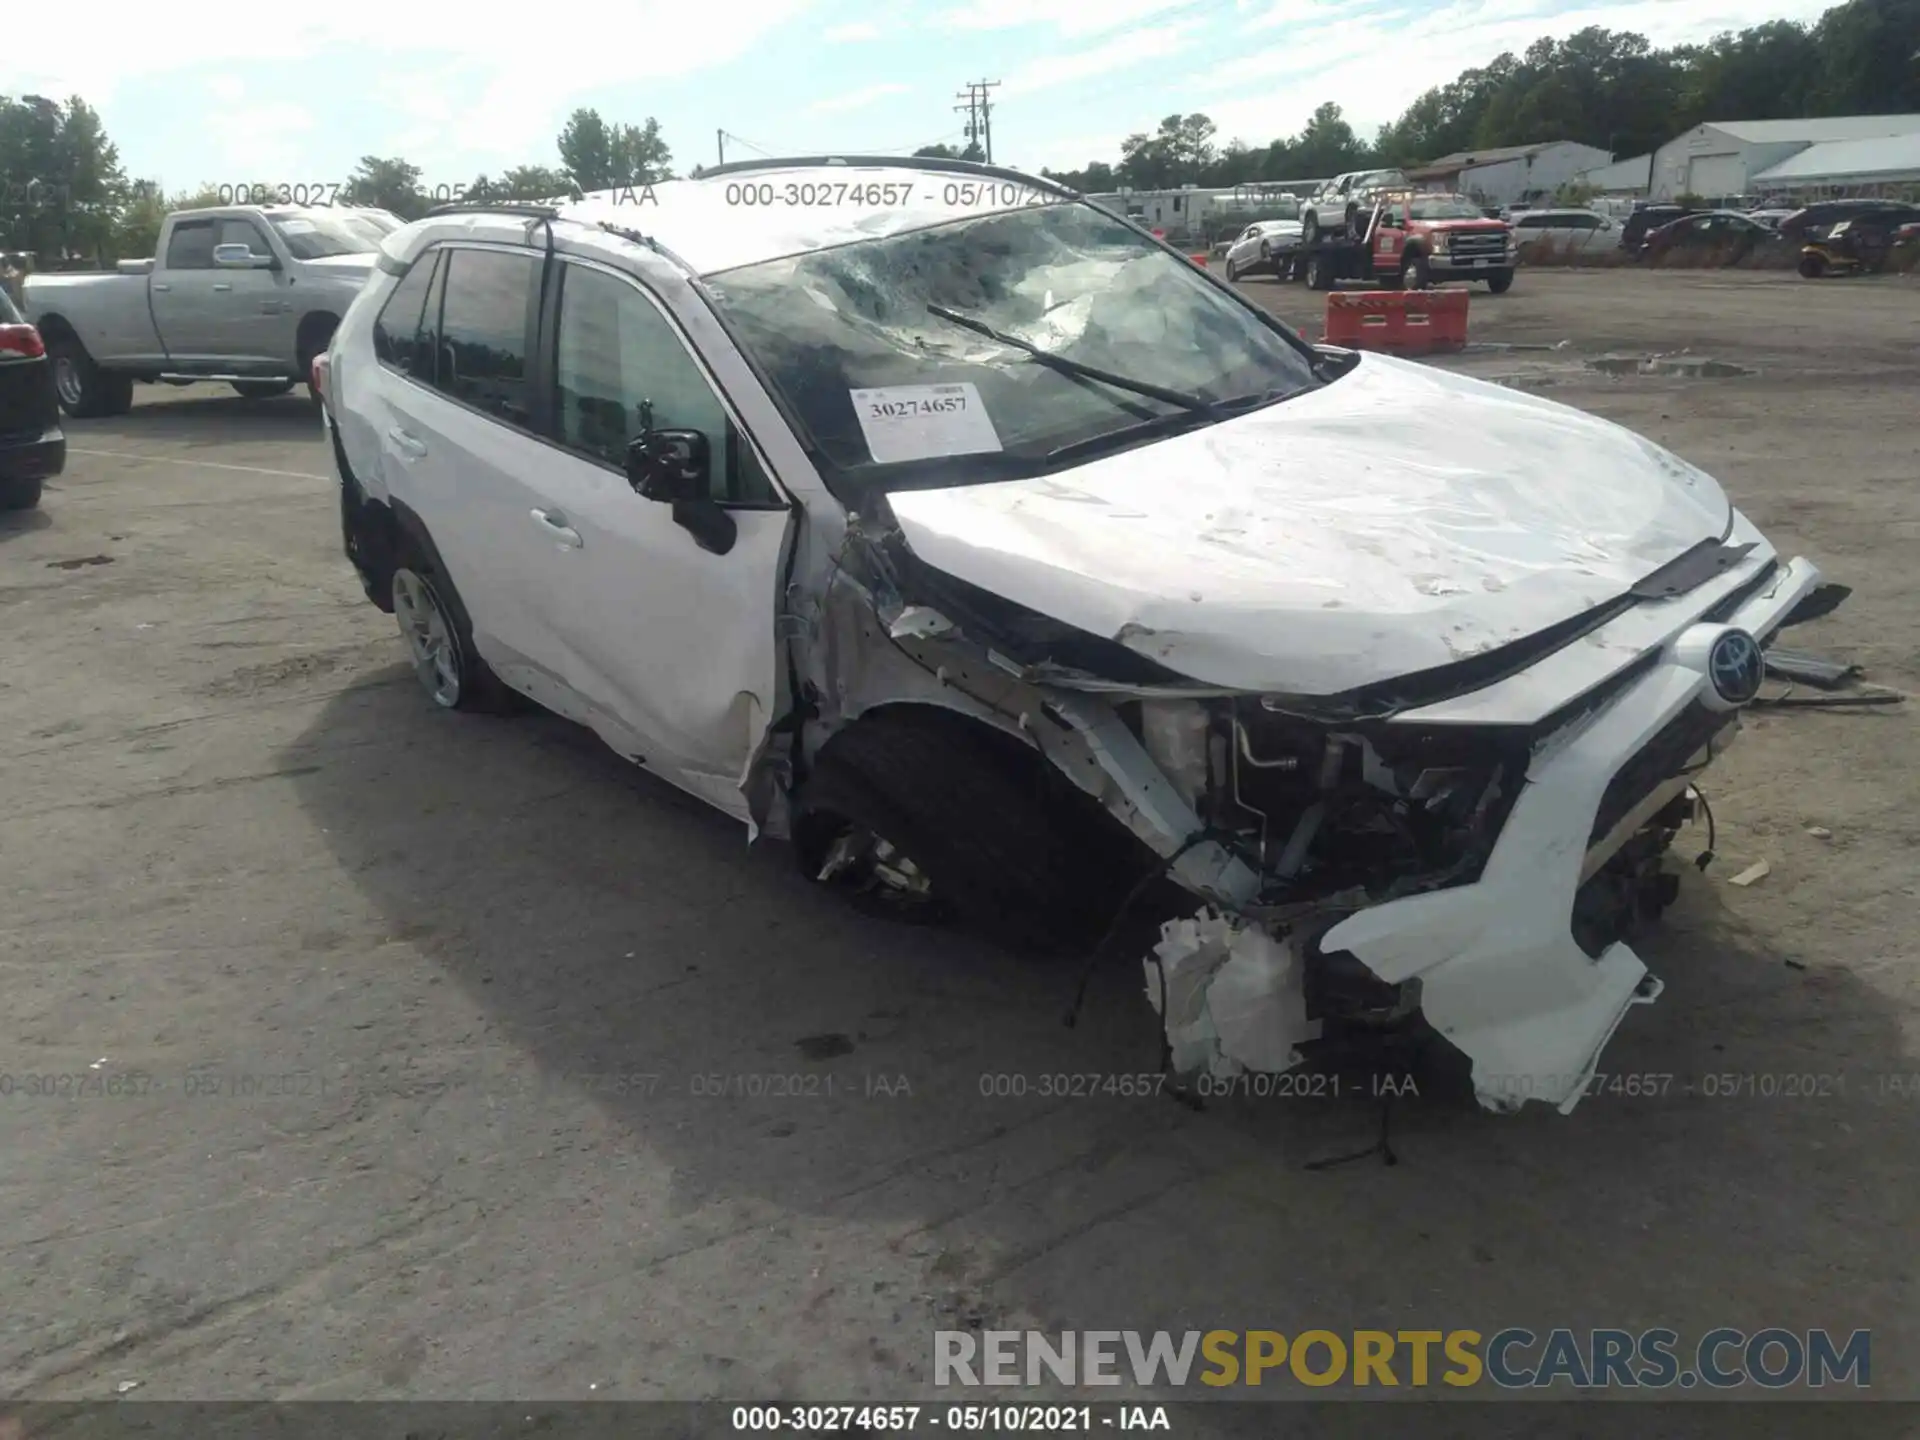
(247,294)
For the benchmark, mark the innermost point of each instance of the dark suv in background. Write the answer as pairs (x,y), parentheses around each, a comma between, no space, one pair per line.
(1817,219)
(32,445)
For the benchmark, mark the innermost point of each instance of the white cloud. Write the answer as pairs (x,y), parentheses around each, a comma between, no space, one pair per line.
(1120,53)
(855,99)
(226,87)
(858,30)
(481,89)
(1068,17)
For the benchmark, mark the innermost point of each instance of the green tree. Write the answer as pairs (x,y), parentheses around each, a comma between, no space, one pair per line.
(387,184)
(63,183)
(599,156)
(948,152)
(523,182)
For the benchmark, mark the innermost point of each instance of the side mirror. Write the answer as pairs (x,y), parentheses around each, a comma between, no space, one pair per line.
(675,467)
(670,465)
(241,257)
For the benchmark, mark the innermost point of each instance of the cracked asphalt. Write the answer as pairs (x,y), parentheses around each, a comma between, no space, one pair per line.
(358,1050)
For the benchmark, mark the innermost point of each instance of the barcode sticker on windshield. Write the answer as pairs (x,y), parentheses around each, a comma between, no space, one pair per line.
(923,422)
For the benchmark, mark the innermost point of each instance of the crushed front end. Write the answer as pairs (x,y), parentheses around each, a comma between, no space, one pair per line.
(1461,856)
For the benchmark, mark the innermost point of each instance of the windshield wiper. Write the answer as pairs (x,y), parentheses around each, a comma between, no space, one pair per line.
(1073,367)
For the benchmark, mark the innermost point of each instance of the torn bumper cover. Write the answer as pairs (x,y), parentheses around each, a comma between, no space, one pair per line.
(1496,965)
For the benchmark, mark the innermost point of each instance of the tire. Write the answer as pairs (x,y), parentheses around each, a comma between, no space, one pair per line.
(85,391)
(20,494)
(1036,867)
(1319,272)
(1232,270)
(1812,266)
(1416,273)
(1309,229)
(433,621)
(1500,281)
(261,389)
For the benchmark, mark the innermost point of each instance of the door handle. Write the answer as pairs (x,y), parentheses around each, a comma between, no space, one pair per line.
(221,287)
(163,287)
(406,444)
(555,524)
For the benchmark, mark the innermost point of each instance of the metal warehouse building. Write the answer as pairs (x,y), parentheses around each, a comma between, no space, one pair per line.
(1728,157)
(1510,174)
(1846,166)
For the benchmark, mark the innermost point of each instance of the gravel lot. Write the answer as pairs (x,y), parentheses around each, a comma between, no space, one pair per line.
(416,962)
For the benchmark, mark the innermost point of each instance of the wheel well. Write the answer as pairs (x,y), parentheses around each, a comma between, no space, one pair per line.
(315,328)
(1011,758)
(56,327)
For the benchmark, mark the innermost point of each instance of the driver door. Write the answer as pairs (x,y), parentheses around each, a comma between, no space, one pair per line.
(672,645)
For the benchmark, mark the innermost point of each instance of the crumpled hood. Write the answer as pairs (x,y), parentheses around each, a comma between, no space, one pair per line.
(1398,519)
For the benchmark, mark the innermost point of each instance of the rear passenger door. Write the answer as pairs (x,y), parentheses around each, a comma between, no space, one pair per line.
(459,441)
(673,644)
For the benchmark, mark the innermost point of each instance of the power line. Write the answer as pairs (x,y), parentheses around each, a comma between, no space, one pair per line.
(979,112)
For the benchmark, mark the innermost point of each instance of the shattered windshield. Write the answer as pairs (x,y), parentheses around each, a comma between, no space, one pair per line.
(856,341)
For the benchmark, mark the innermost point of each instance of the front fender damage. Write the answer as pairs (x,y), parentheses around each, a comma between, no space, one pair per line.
(1352,875)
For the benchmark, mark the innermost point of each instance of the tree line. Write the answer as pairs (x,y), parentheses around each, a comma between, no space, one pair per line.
(1600,87)
(64,192)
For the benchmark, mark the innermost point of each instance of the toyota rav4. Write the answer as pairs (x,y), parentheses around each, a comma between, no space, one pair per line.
(1002,560)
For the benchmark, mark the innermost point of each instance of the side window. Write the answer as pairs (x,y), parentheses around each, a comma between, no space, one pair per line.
(242,232)
(190,247)
(482,353)
(620,360)
(405,334)
(1530,222)
(1585,222)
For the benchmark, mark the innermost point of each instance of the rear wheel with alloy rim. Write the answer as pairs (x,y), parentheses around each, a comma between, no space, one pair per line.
(432,640)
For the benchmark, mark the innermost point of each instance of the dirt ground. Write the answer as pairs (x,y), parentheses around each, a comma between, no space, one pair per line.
(429,1005)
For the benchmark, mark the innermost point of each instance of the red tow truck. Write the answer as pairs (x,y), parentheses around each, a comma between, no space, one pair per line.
(1410,240)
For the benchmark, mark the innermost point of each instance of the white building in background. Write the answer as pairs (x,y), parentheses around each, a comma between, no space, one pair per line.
(1724,158)
(1623,177)
(1511,174)
(1842,167)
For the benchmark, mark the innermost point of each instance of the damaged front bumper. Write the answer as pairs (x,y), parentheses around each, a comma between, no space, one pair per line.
(1496,965)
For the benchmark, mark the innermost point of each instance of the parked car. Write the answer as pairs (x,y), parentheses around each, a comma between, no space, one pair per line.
(1720,230)
(1814,221)
(1570,229)
(1336,206)
(32,445)
(985,553)
(248,294)
(1648,218)
(1447,238)
(1268,245)
(1770,217)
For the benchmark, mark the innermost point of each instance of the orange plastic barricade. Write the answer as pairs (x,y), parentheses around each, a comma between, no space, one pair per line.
(1407,322)
(1199,260)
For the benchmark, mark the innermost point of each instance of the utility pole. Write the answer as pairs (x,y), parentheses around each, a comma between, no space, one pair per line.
(720,143)
(979,115)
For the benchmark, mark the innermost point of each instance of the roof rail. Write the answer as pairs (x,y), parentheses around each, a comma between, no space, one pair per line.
(532,208)
(936,163)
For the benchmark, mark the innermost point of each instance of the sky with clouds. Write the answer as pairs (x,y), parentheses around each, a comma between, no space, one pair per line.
(297,95)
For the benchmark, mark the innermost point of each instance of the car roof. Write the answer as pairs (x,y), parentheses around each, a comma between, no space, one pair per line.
(713,223)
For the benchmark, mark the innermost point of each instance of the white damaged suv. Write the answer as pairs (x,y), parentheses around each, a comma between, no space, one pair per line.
(1005,562)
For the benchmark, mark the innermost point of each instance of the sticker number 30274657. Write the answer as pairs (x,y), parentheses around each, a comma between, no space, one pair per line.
(898,409)
(923,422)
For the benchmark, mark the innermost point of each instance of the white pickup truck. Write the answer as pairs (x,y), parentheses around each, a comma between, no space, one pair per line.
(1335,208)
(247,294)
